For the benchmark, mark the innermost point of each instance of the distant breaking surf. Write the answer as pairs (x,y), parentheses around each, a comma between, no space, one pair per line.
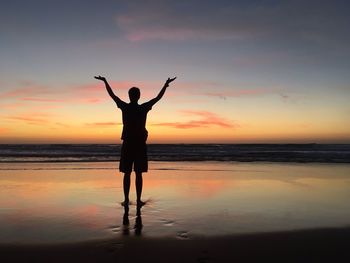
(300,153)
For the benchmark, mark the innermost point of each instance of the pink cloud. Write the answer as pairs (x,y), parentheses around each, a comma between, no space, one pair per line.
(168,20)
(163,34)
(33,92)
(13,105)
(26,91)
(150,89)
(36,97)
(220,90)
(29,91)
(41,99)
(86,93)
(240,93)
(99,87)
(94,87)
(144,25)
(91,100)
(96,93)
(75,99)
(91,93)
(207,119)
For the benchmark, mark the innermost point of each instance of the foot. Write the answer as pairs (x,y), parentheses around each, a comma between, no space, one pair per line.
(140,203)
(125,203)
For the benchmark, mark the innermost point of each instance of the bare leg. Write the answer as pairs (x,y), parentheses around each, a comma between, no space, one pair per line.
(126,186)
(139,188)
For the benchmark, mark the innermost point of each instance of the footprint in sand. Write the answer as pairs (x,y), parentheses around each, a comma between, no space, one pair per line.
(167,222)
(115,228)
(111,246)
(114,247)
(182,235)
(204,258)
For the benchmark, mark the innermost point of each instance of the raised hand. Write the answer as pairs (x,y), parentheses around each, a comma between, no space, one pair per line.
(168,81)
(100,78)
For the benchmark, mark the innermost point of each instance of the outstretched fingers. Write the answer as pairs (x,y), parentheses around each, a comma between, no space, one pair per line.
(170,80)
(99,77)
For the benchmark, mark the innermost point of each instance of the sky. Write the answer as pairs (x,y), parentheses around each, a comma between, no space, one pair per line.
(247,71)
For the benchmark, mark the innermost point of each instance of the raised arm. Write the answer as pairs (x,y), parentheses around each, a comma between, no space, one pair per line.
(162,91)
(110,91)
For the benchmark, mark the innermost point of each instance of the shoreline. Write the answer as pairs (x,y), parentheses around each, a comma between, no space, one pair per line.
(171,162)
(309,245)
(276,153)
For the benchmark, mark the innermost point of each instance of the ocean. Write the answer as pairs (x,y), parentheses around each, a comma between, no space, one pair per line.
(56,194)
(299,153)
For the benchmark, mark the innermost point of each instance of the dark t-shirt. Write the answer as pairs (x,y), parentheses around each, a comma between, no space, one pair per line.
(134,121)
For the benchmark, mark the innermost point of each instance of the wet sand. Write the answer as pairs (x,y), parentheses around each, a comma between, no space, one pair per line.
(195,212)
(320,245)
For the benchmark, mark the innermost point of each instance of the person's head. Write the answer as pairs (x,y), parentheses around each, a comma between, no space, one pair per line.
(134,94)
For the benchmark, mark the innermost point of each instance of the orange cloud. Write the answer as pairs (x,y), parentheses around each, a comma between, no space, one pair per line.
(208,119)
(31,118)
(2,129)
(102,124)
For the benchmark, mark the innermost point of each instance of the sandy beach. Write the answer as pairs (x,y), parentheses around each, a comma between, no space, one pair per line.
(195,212)
(321,245)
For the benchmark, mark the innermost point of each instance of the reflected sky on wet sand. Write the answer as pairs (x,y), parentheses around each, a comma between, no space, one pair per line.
(67,202)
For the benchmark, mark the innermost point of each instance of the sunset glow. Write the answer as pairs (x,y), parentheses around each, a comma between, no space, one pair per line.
(245,72)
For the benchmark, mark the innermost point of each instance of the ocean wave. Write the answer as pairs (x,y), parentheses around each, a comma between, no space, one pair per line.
(300,153)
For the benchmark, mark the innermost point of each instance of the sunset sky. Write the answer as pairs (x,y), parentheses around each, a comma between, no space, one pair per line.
(247,71)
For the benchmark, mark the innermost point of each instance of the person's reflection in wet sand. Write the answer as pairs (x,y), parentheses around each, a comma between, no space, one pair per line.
(126,230)
(138,221)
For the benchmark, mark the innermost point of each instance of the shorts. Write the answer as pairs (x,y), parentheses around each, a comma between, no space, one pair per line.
(133,154)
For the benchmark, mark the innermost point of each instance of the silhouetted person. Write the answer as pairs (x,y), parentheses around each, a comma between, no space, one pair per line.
(134,136)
